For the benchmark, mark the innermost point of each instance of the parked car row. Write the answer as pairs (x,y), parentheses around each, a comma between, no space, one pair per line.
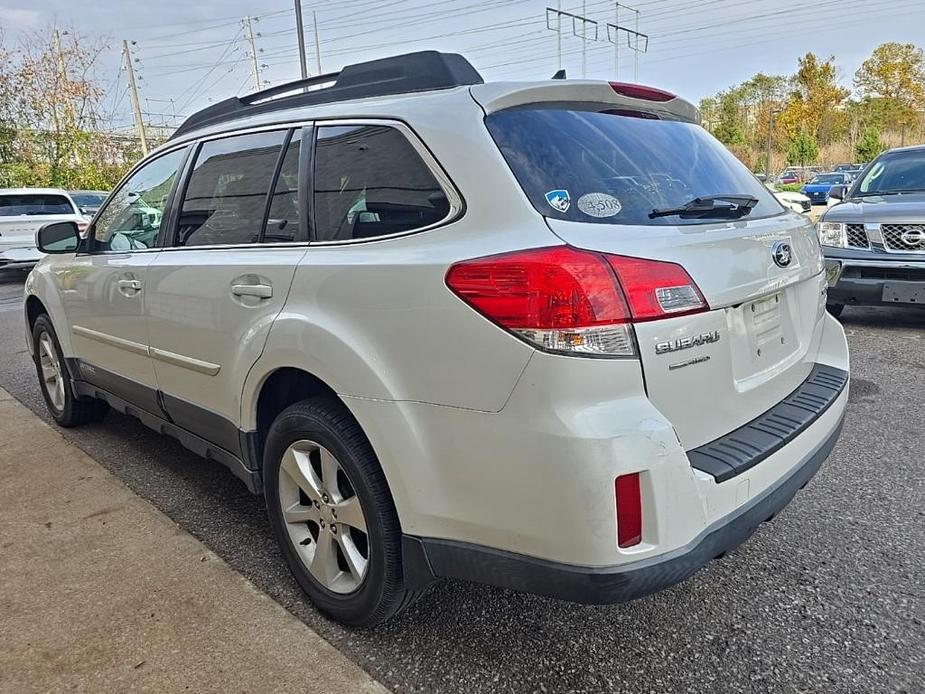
(23,211)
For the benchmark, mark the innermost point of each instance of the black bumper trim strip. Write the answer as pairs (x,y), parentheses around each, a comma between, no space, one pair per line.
(745,447)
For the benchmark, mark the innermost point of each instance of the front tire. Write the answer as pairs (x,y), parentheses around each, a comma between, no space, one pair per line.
(332,513)
(55,382)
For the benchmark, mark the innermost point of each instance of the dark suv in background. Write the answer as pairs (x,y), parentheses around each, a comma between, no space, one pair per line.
(874,240)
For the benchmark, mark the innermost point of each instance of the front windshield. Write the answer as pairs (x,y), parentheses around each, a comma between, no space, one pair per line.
(895,172)
(829,178)
(610,167)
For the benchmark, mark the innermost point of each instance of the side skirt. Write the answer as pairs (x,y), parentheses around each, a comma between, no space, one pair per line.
(162,425)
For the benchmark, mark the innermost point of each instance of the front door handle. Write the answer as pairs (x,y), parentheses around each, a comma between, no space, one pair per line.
(131,285)
(261,291)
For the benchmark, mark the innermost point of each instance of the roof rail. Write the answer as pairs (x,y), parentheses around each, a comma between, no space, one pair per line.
(401,74)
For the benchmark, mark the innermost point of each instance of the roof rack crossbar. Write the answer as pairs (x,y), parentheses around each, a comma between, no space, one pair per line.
(402,74)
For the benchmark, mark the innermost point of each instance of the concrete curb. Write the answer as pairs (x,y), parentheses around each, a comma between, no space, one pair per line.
(100,591)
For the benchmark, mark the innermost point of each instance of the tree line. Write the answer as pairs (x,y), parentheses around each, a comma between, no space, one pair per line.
(809,117)
(54,130)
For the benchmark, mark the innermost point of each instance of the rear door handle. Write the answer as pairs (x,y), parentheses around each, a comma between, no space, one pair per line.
(261,291)
(134,285)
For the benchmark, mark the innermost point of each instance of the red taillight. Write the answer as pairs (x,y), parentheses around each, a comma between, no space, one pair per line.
(640,91)
(655,288)
(575,302)
(629,510)
(82,228)
(560,299)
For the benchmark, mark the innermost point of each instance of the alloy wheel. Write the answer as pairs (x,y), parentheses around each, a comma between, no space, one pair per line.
(52,377)
(323,517)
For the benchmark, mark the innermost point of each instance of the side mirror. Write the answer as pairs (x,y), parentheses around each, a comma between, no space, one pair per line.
(838,191)
(58,237)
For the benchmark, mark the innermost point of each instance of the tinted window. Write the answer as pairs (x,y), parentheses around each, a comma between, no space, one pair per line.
(612,168)
(34,205)
(227,191)
(370,181)
(133,218)
(895,172)
(283,221)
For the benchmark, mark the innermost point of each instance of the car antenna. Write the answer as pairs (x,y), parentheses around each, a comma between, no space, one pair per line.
(560,74)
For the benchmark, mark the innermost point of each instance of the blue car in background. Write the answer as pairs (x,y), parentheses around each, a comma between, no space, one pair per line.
(817,190)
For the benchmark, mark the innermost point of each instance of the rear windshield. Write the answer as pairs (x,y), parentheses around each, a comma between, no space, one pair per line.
(34,205)
(605,167)
(829,178)
(88,199)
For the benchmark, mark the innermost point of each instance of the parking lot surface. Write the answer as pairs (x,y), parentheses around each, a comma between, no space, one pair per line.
(829,597)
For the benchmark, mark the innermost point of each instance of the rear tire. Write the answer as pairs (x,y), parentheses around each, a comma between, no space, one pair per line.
(333,514)
(65,407)
(835,309)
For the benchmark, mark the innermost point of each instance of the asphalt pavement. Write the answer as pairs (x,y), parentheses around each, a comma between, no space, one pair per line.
(829,597)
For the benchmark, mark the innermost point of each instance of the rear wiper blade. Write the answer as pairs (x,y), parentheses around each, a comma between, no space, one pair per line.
(705,206)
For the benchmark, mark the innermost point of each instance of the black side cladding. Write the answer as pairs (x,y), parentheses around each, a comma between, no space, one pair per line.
(400,74)
(739,450)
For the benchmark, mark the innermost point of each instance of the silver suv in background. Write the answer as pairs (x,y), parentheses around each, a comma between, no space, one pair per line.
(551,336)
(874,238)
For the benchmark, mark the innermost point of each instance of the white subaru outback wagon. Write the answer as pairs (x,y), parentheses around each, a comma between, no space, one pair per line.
(550,336)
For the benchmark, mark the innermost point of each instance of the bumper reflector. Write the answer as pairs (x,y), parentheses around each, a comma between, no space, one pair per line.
(629,510)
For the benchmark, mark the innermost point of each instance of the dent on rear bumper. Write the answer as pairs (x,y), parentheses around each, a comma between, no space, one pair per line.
(619,584)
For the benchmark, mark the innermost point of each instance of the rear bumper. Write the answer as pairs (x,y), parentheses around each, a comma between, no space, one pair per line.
(861,281)
(19,257)
(604,585)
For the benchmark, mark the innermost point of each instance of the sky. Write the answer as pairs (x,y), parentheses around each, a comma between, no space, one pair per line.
(190,53)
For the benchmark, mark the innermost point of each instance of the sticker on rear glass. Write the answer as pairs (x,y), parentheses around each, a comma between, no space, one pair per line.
(599,205)
(559,200)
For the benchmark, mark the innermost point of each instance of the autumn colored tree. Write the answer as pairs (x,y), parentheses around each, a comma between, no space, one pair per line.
(815,103)
(893,78)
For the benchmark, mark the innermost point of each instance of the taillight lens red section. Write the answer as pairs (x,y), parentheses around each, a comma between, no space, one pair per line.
(543,288)
(571,301)
(629,510)
(656,289)
(641,91)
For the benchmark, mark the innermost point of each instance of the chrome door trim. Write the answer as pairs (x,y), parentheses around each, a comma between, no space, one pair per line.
(111,340)
(203,367)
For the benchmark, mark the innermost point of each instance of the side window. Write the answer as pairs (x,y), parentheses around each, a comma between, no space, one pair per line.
(283,220)
(227,191)
(369,181)
(133,218)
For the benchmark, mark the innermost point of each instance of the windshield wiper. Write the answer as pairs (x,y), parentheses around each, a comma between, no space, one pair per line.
(705,206)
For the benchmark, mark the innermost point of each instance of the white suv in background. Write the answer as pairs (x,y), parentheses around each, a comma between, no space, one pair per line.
(23,211)
(550,336)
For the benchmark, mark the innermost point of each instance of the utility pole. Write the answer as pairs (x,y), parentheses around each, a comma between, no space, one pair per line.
(317,42)
(767,155)
(584,40)
(65,88)
(636,53)
(559,32)
(250,40)
(136,107)
(616,43)
(300,31)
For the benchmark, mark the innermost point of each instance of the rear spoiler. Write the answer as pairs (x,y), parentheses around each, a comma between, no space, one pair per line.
(497,96)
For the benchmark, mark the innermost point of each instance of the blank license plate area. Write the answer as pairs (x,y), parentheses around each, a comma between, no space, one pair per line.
(904,292)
